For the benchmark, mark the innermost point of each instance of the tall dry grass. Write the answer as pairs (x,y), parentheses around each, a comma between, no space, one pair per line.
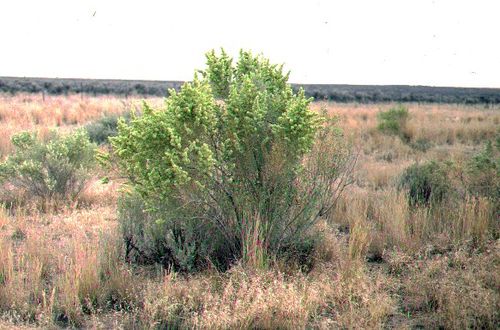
(49,280)
(385,219)
(338,297)
(33,112)
(379,263)
(439,123)
(458,290)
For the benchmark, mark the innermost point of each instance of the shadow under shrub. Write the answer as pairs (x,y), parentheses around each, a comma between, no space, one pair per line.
(150,238)
(234,167)
(56,169)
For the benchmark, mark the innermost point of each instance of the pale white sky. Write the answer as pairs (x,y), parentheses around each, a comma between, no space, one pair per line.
(416,42)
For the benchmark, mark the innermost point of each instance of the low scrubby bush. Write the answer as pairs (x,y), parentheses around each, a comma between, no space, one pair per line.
(50,170)
(393,121)
(456,291)
(100,130)
(427,184)
(483,173)
(235,166)
(421,144)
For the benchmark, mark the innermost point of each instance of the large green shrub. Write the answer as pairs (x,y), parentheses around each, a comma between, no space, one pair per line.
(393,121)
(427,184)
(228,169)
(50,170)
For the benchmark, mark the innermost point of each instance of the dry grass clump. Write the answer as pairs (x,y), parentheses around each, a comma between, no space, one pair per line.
(440,124)
(31,112)
(4,218)
(25,270)
(99,194)
(380,263)
(379,175)
(457,125)
(82,285)
(391,223)
(328,297)
(454,291)
(352,299)
(235,300)
(56,269)
(45,286)
(94,280)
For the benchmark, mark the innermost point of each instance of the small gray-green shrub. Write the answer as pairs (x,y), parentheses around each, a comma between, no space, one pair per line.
(433,182)
(427,184)
(100,130)
(483,173)
(421,144)
(50,170)
(235,166)
(393,121)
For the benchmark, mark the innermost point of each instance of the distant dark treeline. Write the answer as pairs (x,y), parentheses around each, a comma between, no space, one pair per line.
(338,93)
(56,86)
(396,93)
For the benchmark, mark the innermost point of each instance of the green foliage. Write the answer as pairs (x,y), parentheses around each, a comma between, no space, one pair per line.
(231,148)
(55,169)
(393,121)
(483,173)
(421,144)
(100,130)
(150,239)
(427,184)
(433,182)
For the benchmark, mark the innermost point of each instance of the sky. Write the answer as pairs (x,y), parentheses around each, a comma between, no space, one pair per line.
(384,42)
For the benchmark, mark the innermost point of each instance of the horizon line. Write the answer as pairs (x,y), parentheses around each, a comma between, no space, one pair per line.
(291,83)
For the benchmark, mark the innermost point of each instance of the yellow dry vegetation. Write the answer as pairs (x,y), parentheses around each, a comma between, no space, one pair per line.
(379,263)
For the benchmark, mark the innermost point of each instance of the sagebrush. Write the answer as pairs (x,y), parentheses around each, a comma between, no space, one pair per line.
(229,168)
(393,121)
(55,169)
